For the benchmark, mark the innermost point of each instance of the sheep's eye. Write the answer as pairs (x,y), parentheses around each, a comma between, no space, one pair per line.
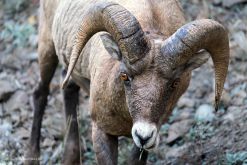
(124,77)
(175,83)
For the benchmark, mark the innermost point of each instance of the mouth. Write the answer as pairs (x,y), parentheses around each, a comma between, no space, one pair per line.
(151,147)
(142,150)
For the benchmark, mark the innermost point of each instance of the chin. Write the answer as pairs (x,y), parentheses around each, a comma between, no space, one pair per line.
(154,146)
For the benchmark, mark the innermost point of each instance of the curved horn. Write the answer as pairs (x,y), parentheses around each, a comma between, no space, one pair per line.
(116,20)
(192,37)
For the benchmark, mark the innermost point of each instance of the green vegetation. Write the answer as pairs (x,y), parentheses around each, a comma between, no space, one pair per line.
(239,158)
(16,33)
(201,131)
(14,6)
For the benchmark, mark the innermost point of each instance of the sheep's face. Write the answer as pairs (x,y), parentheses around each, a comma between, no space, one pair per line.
(150,95)
(152,88)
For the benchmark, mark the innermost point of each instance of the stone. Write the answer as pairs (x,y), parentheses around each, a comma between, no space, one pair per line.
(18,101)
(229,117)
(178,129)
(22,133)
(217,2)
(225,98)
(205,113)
(5,128)
(238,101)
(230,3)
(184,114)
(55,126)
(11,61)
(241,94)
(6,90)
(177,152)
(48,142)
(30,56)
(185,102)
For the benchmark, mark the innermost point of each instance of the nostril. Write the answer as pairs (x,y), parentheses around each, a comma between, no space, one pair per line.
(143,140)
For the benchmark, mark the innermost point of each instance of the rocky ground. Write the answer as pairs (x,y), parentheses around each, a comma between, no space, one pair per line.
(195,134)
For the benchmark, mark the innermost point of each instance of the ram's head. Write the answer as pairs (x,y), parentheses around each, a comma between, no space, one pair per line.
(155,72)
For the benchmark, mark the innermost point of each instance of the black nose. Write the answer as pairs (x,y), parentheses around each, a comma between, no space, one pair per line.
(143,140)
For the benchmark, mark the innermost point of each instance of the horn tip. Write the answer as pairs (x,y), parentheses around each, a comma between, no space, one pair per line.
(65,82)
(216,106)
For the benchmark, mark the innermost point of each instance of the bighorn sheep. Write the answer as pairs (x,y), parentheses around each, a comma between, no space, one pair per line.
(136,72)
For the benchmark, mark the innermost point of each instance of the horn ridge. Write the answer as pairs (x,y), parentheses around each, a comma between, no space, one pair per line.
(119,22)
(192,37)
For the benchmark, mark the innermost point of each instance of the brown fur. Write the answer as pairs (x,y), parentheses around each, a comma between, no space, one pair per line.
(154,87)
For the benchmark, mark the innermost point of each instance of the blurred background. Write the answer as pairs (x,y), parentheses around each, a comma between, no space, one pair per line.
(195,134)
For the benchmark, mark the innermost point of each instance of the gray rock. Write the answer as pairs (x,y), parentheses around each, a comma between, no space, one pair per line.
(33,40)
(30,56)
(48,142)
(1,110)
(238,101)
(184,114)
(226,98)
(11,61)
(232,109)
(217,2)
(55,125)
(205,113)
(5,129)
(185,102)
(229,117)
(177,152)
(22,133)
(18,101)
(233,114)
(178,129)
(241,94)
(6,90)
(230,3)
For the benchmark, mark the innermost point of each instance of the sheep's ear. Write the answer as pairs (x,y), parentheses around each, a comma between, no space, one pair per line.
(111,46)
(197,60)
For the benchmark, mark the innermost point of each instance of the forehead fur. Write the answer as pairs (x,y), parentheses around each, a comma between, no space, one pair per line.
(153,60)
